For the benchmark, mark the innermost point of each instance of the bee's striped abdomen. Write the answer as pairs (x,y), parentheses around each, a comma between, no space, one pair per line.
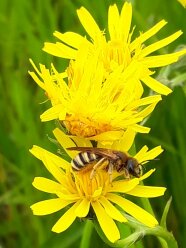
(82,159)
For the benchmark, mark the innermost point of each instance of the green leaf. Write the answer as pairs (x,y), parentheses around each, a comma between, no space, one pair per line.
(165,212)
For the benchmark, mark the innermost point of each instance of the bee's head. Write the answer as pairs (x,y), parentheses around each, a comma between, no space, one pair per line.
(133,167)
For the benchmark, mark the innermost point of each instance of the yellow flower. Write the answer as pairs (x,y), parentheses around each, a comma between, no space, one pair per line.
(119,49)
(92,106)
(84,197)
(183,3)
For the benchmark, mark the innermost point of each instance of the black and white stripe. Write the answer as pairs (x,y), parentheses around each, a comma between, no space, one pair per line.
(82,159)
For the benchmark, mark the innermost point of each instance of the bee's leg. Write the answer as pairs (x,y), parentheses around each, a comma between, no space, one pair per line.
(99,163)
(126,174)
(110,171)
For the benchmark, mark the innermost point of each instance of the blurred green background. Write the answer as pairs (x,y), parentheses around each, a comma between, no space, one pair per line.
(25,25)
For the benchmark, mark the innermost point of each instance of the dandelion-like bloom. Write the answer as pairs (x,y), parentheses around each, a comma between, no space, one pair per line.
(92,106)
(120,49)
(98,196)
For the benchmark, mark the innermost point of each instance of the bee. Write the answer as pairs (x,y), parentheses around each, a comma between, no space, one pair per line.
(110,159)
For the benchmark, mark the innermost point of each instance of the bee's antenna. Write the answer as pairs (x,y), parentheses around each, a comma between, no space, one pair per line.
(143,167)
(146,161)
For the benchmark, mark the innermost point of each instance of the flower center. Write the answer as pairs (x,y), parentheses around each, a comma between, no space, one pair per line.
(93,188)
(116,53)
(85,127)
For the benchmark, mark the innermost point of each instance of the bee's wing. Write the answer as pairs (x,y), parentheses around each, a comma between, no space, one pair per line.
(109,153)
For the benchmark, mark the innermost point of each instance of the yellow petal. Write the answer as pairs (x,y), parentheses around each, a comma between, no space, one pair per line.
(183,3)
(66,220)
(60,50)
(65,142)
(34,76)
(97,192)
(134,210)
(58,161)
(54,113)
(145,36)
(83,208)
(147,191)
(108,136)
(71,39)
(52,168)
(67,196)
(35,68)
(125,20)
(159,44)
(88,22)
(62,85)
(125,143)
(140,129)
(153,153)
(113,21)
(131,121)
(49,206)
(162,60)
(156,86)
(113,212)
(144,101)
(141,153)
(147,111)
(123,186)
(147,174)
(46,185)
(81,142)
(106,222)
(107,144)
(37,80)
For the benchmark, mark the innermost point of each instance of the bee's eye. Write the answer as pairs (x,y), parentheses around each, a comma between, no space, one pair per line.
(130,165)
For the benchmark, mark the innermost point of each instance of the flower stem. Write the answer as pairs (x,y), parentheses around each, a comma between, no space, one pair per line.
(124,243)
(168,240)
(147,206)
(163,233)
(87,232)
(165,237)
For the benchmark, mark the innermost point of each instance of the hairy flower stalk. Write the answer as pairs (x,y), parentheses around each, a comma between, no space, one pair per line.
(98,197)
